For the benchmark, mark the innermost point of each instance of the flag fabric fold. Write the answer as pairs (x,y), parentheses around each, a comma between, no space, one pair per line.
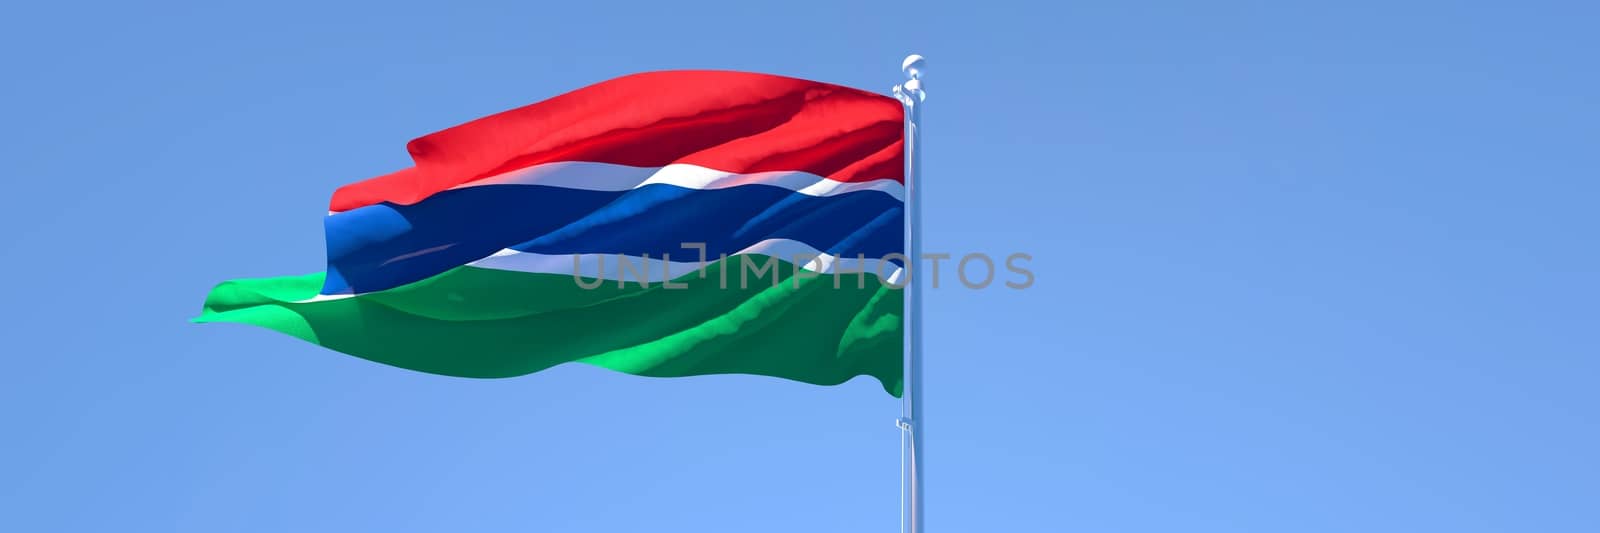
(662,224)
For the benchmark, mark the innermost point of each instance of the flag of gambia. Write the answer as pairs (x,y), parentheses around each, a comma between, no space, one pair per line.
(661,224)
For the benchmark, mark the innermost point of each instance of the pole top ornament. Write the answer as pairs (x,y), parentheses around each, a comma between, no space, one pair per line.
(910,92)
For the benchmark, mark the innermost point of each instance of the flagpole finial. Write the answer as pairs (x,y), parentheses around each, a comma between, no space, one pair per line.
(913,66)
(911,91)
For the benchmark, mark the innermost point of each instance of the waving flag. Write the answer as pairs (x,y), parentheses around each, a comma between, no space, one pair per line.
(661,224)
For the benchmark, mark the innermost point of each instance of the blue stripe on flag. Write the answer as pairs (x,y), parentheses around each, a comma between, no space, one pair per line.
(384,246)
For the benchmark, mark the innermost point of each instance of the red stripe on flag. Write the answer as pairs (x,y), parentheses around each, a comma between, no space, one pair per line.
(731,121)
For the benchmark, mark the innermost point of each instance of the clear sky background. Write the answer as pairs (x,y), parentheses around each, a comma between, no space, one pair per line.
(1328,267)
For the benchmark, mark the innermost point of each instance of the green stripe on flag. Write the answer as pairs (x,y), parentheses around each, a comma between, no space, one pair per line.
(476,322)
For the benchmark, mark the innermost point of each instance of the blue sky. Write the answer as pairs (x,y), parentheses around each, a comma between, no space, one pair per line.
(1306,268)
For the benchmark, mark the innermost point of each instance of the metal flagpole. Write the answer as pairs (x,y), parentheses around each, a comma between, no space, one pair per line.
(913,428)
